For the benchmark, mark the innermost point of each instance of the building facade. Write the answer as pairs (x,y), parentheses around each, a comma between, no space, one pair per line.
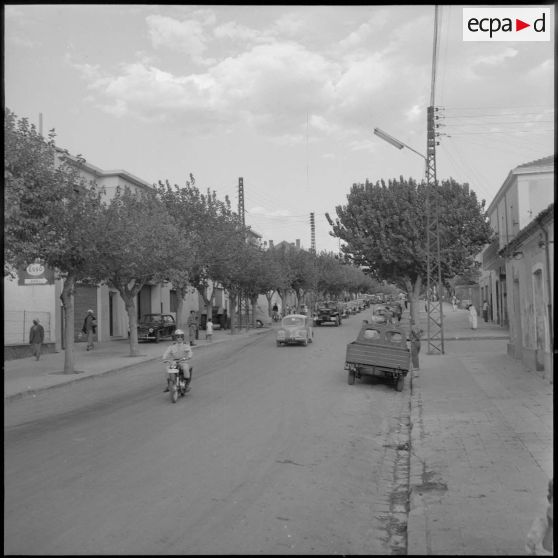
(517,264)
(32,294)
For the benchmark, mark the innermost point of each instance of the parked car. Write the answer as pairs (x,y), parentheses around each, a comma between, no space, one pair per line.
(295,329)
(154,327)
(379,315)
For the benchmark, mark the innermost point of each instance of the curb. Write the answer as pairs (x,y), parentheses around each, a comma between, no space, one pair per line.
(416,518)
(80,378)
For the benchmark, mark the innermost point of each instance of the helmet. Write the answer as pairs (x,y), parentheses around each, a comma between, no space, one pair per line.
(178,333)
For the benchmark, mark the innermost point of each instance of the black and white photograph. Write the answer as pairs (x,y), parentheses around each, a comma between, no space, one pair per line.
(278,279)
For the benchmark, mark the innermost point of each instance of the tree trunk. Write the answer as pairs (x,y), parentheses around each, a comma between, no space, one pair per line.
(67,298)
(130,303)
(233,314)
(269,295)
(128,294)
(413,295)
(180,295)
(254,303)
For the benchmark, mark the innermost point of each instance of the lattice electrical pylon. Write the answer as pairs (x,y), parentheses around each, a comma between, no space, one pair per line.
(312,233)
(241,212)
(435,316)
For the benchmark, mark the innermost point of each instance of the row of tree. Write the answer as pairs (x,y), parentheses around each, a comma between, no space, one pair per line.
(384,226)
(164,233)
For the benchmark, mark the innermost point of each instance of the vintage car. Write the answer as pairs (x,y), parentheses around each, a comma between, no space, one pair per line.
(328,313)
(379,350)
(379,315)
(154,327)
(295,329)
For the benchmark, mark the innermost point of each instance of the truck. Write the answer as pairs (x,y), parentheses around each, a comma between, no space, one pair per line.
(328,312)
(379,350)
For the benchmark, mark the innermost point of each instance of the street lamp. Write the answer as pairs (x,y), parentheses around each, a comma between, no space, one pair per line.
(395,142)
(432,239)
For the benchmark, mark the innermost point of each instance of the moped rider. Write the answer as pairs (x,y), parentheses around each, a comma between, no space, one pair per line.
(177,351)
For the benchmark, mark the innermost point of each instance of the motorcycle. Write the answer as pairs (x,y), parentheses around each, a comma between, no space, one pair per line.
(178,384)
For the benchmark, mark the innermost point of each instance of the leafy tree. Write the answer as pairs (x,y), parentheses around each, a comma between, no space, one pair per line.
(186,215)
(51,214)
(212,232)
(286,274)
(271,273)
(136,243)
(384,227)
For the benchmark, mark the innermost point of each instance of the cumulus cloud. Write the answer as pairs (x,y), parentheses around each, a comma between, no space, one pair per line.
(497,58)
(186,36)
(233,30)
(270,82)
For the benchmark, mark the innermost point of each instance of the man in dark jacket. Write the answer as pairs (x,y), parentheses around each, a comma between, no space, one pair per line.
(36,338)
(89,328)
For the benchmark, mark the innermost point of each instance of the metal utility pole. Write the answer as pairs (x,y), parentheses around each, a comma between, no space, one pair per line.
(434,287)
(241,214)
(241,201)
(312,233)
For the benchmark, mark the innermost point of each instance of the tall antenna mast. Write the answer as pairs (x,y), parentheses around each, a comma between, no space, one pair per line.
(434,326)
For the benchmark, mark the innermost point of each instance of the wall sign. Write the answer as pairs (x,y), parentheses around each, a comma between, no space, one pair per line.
(35,274)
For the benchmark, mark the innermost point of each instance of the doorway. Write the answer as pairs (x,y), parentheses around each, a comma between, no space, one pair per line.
(540,321)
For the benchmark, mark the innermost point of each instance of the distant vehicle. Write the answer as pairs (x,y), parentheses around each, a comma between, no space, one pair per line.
(154,327)
(295,329)
(379,316)
(328,313)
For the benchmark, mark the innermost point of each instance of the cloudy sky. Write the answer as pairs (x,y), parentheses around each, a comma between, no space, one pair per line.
(286,97)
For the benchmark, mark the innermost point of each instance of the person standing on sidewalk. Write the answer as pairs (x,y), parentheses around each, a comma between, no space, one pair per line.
(454,302)
(209,330)
(472,316)
(36,338)
(485,310)
(192,324)
(414,338)
(89,328)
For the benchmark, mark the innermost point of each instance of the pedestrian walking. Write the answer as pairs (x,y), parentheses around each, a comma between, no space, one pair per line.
(415,337)
(485,310)
(454,302)
(192,324)
(36,338)
(389,315)
(472,316)
(209,330)
(89,328)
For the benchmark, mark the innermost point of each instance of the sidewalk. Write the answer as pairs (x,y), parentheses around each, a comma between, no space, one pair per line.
(481,445)
(25,377)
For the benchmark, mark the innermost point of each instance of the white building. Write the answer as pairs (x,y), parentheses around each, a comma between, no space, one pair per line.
(36,293)
(517,265)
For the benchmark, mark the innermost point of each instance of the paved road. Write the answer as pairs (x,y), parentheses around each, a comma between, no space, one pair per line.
(271,453)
